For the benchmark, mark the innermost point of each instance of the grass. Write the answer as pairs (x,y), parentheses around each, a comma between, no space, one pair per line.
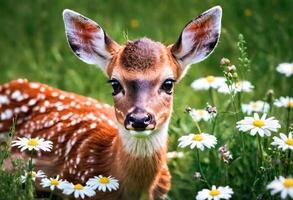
(33,46)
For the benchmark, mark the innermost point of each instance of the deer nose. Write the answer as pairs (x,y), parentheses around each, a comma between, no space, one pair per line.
(139,120)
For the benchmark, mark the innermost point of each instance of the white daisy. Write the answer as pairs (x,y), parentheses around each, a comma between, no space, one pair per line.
(215,193)
(200,141)
(282,185)
(199,114)
(208,82)
(78,190)
(283,142)
(174,154)
(241,86)
(285,68)
(32,144)
(103,183)
(286,102)
(255,125)
(34,175)
(51,182)
(255,106)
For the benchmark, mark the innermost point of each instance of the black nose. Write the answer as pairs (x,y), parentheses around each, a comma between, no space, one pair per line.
(139,119)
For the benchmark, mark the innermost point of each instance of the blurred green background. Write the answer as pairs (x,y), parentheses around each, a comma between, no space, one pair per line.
(33,46)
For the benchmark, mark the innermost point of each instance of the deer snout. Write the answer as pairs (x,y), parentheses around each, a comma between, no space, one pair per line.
(139,120)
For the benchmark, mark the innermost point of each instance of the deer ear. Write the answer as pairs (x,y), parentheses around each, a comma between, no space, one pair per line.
(198,38)
(88,40)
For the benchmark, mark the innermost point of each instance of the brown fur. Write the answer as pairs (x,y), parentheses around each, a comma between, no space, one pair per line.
(99,149)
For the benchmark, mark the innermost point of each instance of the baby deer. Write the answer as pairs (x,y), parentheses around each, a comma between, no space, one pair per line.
(127,141)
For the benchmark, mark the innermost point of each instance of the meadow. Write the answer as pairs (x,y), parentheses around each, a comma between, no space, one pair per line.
(256,37)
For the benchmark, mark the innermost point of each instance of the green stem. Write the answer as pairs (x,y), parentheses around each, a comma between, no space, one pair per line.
(260,151)
(200,169)
(197,126)
(211,91)
(288,120)
(51,195)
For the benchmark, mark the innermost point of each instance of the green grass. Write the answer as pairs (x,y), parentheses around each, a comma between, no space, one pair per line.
(33,46)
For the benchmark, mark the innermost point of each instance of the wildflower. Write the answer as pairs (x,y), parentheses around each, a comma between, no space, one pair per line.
(32,144)
(212,110)
(225,154)
(240,86)
(200,141)
(78,190)
(283,142)
(103,183)
(197,175)
(199,114)
(285,68)
(255,125)
(231,68)
(215,193)
(255,106)
(174,154)
(33,175)
(207,83)
(225,61)
(286,102)
(134,23)
(52,183)
(282,185)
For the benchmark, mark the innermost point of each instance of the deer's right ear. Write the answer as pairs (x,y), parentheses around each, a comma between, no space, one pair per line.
(88,40)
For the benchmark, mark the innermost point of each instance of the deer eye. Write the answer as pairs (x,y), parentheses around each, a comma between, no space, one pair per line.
(117,88)
(167,86)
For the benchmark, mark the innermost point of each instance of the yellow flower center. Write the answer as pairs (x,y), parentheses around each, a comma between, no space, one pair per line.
(54,182)
(288,182)
(210,79)
(289,142)
(33,142)
(197,137)
(33,174)
(214,192)
(201,113)
(290,104)
(254,105)
(258,123)
(78,187)
(104,180)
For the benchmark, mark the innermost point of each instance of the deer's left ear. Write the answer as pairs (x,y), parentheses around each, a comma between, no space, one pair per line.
(198,39)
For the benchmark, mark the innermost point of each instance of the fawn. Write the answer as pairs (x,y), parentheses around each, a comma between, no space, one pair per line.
(127,141)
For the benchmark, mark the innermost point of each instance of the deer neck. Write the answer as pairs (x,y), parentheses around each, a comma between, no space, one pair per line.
(139,160)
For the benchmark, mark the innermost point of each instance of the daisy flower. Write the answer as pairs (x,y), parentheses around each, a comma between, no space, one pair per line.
(282,185)
(285,68)
(199,141)
(32,144)
(199,114)
(283,142)
(255,125)
(255,106)
(286,102)
(174,154)
(103,183)
(78,190)
(51,182)
(215,193)
(34,175)
(241,86)
(208,82)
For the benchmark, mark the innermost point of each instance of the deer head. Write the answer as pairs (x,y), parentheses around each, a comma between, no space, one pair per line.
(143,72)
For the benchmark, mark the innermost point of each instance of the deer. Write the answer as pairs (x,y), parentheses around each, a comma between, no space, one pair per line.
(127,141)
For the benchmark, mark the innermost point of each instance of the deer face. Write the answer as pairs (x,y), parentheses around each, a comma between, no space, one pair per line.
(143,72)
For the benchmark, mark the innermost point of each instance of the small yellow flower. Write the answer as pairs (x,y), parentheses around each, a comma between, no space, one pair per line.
(134,23)
(248,12)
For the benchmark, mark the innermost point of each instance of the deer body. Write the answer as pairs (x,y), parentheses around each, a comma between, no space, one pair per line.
(89,138)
